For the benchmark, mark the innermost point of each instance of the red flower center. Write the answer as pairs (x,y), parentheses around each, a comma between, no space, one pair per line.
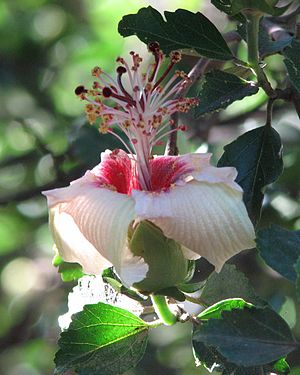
(119,172)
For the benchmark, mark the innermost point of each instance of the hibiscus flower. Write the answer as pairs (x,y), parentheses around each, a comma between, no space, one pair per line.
(190,202)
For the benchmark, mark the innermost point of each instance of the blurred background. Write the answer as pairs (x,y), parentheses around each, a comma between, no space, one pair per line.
(47,48)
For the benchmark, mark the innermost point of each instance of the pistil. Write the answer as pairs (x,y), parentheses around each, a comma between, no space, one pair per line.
(142,108)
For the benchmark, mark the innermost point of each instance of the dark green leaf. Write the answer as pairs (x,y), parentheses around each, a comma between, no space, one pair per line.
(292,62)
(220,89)
(210,358)
(182,29)
(248,337)
(225,6)
(257,156)
(101,339)
(215,311)
(229,283)
(280,249)
(297,268)
(68,271)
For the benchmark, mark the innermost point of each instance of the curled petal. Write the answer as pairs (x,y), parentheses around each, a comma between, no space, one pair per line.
(170,170)
(72,245)
(209,219)
(97,218)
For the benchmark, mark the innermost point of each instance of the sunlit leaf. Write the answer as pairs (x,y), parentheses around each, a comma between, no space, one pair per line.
(101,339)
(215,311)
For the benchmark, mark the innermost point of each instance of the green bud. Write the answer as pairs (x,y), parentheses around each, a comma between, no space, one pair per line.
(167,264)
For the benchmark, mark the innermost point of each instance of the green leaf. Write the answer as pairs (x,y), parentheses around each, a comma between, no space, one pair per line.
(229,283)
(182,29)
(281,367)
(292,62)
(225,6)
(210,358)
(280,249)
(68,271)
(257,156)
(297,268)
(220,89)
(248,337)
(101,339)
(215,311)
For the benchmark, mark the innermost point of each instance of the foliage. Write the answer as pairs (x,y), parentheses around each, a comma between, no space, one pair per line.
(49,49)
(257,156)
(102,338)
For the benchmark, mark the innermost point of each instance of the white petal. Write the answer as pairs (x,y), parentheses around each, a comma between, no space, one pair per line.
(209,219)
(215,175)
(134,269)
(189,254)
(72,245)
(99,218)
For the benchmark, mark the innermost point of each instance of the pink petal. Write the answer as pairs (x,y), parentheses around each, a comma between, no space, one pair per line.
(116,170)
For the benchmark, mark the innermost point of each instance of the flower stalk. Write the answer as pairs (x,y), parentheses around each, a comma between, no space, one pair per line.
(253,22)
(162,309)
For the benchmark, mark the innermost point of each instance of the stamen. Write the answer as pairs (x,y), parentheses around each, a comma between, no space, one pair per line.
(107,93)
(141,110)
(80,90)
(121,70)
(155,49)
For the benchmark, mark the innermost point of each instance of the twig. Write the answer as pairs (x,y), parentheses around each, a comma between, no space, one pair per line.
(269,111)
